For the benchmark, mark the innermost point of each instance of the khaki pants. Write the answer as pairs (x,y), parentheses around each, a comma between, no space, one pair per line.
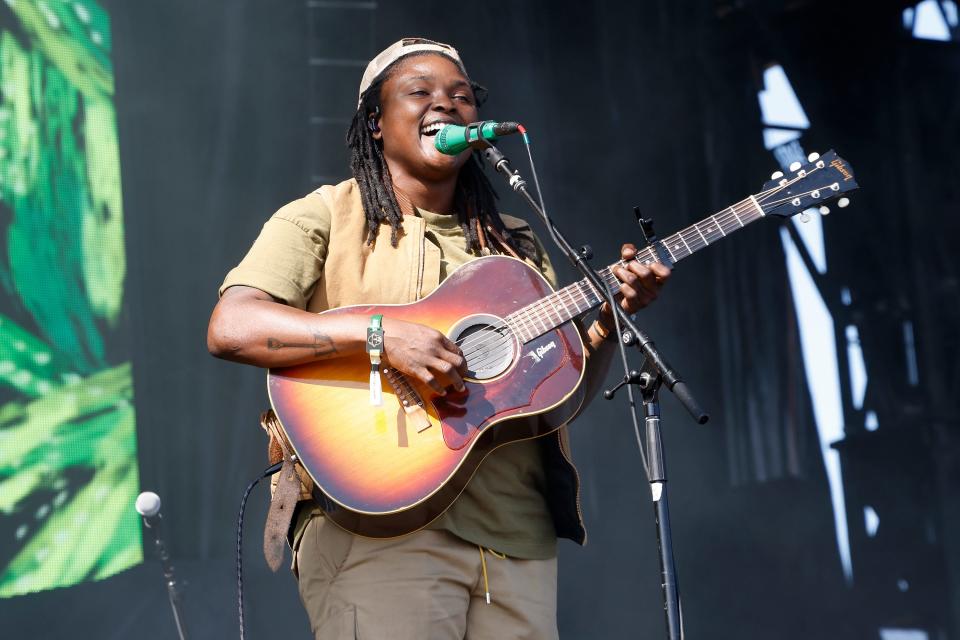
(428,585)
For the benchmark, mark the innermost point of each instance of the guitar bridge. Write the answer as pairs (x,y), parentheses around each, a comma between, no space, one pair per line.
(410,401)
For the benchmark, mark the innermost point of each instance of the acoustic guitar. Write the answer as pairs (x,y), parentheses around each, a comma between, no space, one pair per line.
(383,471)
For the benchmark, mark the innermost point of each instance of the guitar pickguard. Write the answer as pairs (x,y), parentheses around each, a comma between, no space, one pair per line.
(462,415)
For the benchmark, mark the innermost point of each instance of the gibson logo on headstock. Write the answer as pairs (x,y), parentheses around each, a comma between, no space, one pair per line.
(837,164)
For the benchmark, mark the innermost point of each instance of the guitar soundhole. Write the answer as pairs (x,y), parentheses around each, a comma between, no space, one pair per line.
(487,344)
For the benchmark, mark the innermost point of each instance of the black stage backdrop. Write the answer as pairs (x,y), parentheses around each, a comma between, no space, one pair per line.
(227,110)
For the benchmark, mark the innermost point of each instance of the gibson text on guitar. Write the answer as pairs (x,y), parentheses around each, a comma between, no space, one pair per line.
(386,470)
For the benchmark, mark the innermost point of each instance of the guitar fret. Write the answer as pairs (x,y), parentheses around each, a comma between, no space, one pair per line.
(650,257)
(570,307)
(693,242)
(676,246)
(605,278)
(543,325)
(574,301)
(734,212)
(709,231)
(551,308)
(513,327)
(667,247)
(612,282)
(543,311)
(528,323)
(697,227)
(588,302)
(553,305)
(587,293)
(576,294)
(562,310)
(522,332)
(719,226)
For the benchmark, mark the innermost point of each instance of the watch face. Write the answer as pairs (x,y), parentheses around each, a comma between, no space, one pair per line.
(375,340)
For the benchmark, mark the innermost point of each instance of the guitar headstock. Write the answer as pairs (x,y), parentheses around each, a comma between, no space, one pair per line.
(822,180)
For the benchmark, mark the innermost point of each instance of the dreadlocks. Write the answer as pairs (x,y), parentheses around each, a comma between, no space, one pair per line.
(474,198)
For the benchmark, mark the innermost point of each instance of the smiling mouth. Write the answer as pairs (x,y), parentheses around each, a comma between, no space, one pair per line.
(433,128)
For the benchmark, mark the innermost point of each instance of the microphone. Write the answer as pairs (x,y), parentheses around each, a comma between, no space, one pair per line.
(453,139)
(148,506)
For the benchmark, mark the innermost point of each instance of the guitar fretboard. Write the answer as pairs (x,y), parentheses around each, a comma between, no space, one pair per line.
(576,299)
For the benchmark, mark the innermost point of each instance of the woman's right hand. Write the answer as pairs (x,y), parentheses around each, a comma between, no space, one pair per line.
(425,354)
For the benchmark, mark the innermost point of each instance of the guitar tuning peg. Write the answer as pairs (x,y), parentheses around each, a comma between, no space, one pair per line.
(813,157)
(824,210)
(776,175)
(843,202)
(804,216)
(794,166)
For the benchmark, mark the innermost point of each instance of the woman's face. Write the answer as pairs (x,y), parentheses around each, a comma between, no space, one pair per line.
(421,93)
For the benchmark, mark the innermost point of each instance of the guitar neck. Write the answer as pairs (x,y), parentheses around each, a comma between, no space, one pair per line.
(578,298)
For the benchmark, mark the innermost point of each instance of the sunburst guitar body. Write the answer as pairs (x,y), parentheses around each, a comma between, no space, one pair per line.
(386,470)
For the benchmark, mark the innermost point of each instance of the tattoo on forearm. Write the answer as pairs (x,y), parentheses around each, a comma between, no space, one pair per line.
(322,345)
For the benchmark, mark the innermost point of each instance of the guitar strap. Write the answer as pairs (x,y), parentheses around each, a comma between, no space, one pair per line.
(286,492)
(505,246)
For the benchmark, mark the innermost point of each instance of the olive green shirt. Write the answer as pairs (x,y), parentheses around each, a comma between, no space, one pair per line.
(503,507)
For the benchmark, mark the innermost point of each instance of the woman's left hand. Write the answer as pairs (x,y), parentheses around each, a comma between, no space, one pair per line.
(639,284)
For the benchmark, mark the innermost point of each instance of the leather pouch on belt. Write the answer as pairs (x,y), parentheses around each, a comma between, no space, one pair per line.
(286,492)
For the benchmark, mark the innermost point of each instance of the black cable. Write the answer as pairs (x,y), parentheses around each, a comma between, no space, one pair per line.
(610,300)
(269,471)
(626,372)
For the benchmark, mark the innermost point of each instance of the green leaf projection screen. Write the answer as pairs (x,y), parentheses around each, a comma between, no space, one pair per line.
(68,466)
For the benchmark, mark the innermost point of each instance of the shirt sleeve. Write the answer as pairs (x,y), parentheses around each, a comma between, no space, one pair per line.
(286,260)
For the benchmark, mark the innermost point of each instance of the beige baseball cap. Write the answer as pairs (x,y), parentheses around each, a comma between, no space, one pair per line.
(399,49)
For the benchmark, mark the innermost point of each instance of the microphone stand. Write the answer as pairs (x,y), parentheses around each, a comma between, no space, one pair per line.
(168,577)
(656,372)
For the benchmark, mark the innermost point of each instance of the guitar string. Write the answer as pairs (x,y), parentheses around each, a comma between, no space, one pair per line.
(491,356)
(744,206)
(568,292)
(527,316)
(534,312)
(497,343)
(564,296)
(541,312)
(721,218)
(692,244)
(800,195)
